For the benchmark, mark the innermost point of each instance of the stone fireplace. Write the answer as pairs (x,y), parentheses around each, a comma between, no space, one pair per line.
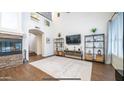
(10,60)
(10,50)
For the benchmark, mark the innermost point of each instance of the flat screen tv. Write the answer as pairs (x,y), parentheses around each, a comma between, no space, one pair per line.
(73,39)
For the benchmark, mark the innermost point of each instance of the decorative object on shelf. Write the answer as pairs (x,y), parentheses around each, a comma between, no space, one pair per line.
(99,52)
(93,30)
(79,49)
(47,23)
(59,34)
(47,40)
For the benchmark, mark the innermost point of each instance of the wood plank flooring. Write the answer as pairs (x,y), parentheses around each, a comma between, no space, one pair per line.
(102,72)
(35,58)
(26,72)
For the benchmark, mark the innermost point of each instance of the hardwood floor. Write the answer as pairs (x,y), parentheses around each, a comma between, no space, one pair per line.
(100,72)
(24,72)
(35,58)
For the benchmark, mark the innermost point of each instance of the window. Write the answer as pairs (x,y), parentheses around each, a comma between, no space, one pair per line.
(47,15)
(10,46)
(117,36)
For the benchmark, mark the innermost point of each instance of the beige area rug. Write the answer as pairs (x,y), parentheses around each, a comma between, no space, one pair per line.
(65,68)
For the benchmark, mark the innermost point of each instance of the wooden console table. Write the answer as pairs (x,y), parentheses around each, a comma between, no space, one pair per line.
(73,54)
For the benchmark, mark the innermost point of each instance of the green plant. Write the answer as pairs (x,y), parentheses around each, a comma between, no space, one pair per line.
(93,30)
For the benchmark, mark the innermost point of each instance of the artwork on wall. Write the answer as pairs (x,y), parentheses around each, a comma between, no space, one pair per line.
(47,40)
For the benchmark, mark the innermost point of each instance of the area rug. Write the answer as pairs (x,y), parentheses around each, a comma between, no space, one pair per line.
(65,68)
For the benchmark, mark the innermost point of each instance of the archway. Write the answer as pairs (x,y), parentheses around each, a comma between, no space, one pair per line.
(35,43)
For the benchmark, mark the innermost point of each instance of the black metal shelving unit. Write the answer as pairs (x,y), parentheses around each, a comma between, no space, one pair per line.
(59,46)
(95,48)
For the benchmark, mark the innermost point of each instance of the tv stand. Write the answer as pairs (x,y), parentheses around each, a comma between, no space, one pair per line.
(73,54)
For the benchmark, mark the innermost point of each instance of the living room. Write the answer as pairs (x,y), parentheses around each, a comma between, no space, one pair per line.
(61,46)
(86,44)
(106,40)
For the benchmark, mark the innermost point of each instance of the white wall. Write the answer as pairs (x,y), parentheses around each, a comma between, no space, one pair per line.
(10,22)
(80,23)
(47,33)
(32,43)
(47,49)
(21,23)
(25,28)
(39,45)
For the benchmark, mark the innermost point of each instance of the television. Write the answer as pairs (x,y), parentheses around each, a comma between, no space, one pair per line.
(73,39)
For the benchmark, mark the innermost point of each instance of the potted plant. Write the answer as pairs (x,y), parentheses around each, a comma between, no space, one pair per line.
(93,30)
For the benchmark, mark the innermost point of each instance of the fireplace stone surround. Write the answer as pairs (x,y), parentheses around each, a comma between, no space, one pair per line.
(10,60)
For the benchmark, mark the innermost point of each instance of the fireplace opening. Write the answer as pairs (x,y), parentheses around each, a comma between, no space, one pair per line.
(10,46)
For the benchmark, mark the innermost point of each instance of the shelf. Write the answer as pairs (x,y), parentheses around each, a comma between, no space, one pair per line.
(59,46)
(89,41)
(94,47)
(88,47)
(93,43)
(59,42)
(94,54)
(88,57)
(99,47)
(99,41)
(99,58)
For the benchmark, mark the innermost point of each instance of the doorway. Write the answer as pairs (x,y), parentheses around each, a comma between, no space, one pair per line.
(35,45)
